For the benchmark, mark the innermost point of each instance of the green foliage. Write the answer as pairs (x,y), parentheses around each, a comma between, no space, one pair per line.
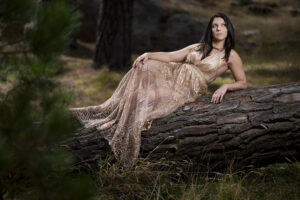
(55,23)
(34,117)
(13,15)
(16,10)
(35,122)
(30,69)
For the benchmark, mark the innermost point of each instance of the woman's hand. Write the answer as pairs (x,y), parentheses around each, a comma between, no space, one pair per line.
(218,94)
(143,58)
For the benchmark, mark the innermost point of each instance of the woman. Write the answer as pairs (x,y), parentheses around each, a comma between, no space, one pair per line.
(160,82)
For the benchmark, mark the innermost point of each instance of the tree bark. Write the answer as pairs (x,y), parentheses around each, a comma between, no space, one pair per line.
(113,39)
(250,128)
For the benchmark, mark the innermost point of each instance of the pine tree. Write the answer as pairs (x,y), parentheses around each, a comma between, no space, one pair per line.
(33,114)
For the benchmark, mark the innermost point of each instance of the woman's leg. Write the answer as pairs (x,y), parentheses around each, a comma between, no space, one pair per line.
(151,76)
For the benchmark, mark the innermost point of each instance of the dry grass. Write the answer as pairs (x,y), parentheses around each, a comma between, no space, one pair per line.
(171,180)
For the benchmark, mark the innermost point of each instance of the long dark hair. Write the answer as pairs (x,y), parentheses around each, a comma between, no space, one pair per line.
(205,45)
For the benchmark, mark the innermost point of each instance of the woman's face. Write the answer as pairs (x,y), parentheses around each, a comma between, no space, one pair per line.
(219,29)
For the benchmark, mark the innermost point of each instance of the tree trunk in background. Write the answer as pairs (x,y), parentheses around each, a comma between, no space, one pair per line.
(113,40)
(251,127)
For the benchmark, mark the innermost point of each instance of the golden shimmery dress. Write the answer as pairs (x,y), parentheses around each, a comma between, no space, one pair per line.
(145,93)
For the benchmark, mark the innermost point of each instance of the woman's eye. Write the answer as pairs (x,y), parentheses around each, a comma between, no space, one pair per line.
(215,25)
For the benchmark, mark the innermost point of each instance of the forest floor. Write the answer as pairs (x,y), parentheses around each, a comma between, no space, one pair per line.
(270,57)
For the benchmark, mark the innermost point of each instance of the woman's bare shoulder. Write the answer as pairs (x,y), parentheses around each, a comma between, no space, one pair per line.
(234,56)
(234,59)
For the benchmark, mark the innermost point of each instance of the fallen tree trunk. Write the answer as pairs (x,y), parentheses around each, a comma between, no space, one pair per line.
(250,128)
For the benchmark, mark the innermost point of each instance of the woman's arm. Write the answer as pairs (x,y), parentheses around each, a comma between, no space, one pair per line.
(174,56)
(236,67)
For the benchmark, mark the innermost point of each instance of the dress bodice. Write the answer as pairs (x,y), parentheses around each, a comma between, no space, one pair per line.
(214,60)
(209,66)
